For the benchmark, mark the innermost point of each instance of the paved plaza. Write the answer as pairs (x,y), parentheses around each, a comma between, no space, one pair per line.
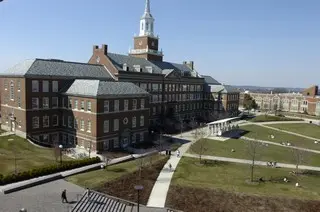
(41,198)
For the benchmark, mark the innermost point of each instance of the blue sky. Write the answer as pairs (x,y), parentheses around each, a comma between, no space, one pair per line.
(243,42)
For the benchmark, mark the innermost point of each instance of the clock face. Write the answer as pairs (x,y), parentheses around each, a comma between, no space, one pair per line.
(152,44)
(98,59)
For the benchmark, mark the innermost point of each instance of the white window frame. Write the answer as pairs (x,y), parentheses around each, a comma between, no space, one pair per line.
(35,122)
(89,125)
(35,86)
(116,105)
(44,119)
(75,106)
(45,86)
(75,123)
(57,117)
(82,125)
(70,124)
(125,104)
(142,103)
(44,106)
(55,86)
(106,126)
(82,105)
(134,122)
(141,121)
(134,104)
(89,105)
(37,104)
(115,124)
(11,91)
(106,106)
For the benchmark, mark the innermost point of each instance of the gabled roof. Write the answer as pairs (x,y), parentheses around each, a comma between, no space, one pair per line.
(209,80)
(158,67)
(96,88)
(223,89)
(58,68)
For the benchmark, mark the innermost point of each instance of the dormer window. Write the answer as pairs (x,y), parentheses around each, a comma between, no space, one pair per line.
(149,69)
(125,67)
(137,68)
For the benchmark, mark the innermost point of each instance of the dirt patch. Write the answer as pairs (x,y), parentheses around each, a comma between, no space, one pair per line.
(203,200)
(123,187)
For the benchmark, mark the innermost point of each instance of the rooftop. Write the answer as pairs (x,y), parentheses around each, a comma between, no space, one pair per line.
(57,68)
(209,80)
(96,88)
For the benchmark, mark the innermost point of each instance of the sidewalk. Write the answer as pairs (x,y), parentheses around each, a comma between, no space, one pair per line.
(160,189)
(260,163)
(44,179)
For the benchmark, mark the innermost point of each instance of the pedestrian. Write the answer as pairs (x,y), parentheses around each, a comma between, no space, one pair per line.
(64,196)
(170,166)
(178,153)
(88,194)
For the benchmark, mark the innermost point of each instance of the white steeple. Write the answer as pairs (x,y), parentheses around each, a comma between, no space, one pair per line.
(146,21)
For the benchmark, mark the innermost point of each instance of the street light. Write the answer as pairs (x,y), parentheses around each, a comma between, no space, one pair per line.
(60,147)
(15,157)
(138,188)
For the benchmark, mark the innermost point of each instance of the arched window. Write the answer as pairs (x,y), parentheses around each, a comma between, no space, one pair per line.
(11,90)
(142,26)
(147,26)
(151,26)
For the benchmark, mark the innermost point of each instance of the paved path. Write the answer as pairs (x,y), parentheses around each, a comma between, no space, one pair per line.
(289,132)
(261,163)
(6,134)
(278,144)
(272,122)
(160,189)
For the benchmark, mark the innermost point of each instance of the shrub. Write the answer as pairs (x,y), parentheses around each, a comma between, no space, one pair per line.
(46,170)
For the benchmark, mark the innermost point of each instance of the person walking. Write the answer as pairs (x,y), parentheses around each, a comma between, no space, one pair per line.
(88,194)
(64,196)
(170,166)
(178,153)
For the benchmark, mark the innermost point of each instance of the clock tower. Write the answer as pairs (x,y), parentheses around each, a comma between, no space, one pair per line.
(146,45)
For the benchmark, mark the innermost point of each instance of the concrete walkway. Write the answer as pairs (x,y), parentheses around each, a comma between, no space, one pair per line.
(289,132)
(160,189)
(278,144)
(260,163)
(272,122)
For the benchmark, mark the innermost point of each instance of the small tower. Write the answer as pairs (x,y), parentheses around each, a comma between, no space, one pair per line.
(146,44)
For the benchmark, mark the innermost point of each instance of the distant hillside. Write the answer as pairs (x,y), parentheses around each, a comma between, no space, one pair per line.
(265,89)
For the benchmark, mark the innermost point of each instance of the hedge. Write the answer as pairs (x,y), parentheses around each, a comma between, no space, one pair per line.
(46,170)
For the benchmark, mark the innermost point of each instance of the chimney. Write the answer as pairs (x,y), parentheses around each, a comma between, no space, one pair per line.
(191,65)
(95,48)
(104,49)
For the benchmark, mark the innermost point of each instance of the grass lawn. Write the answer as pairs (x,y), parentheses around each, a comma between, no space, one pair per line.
(94,179)
(232,177)
(267,118)
(301,115)
(28,156)
(263,133)
(303,129)
(264,153)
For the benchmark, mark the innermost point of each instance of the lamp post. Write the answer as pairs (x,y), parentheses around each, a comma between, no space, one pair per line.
(60,147)
(138,188)
(15,157)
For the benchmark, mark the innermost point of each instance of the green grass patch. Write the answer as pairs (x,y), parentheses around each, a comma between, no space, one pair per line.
(303,129)
(94,179)
(267,118)
(263,133)
(232,177)
(264,153)
(301,115)
(27,155)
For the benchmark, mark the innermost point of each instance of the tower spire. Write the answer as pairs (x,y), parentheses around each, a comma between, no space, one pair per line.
(146,21)
(147,7)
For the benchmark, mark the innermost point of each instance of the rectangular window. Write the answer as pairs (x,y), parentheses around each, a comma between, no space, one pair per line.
(116,143)
(89,126)
(55,103)
(70,103)
(82,105)
(45,120)
(134,104)
(82,125)
(11,91)
(154,110)
(35,86)
(63,102)
(70,123)
(19,102)
(76,104)
(35,122)
(89,106)
(134,120)
(142,103)
(141,136)
(126,105)
(45,102)
(106,106)
(75,123)
(5,84)
(55,120)
(141,121)
(106,126)
(45,86)
(35,103)
(115,124)
(116,105)
(55,86)
(63,121)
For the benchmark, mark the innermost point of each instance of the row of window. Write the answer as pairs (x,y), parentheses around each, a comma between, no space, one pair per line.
(45,86)
(74,123)
(12,85)
(176,97)
(233,97)
(170,87)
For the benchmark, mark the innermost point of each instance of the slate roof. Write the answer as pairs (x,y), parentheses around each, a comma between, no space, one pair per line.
(158,67)
(57,68)
(97,88)
(209,80)
(223,89)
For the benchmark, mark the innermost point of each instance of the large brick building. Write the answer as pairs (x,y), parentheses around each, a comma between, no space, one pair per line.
(114,100)
(307,101)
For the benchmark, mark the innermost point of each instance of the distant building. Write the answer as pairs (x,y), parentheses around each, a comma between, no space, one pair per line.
(308,101)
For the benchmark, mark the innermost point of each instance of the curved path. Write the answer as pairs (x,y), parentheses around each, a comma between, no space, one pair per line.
(260,163)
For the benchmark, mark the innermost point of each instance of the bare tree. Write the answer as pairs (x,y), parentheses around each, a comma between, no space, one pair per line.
(200,147)
(56,152)
(252,151)
(140,164)
(298,156)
